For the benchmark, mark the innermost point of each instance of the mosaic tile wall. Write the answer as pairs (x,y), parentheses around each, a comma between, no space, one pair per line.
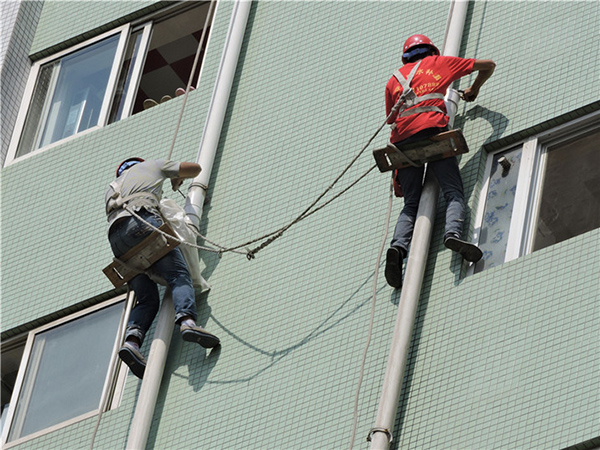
(506,358)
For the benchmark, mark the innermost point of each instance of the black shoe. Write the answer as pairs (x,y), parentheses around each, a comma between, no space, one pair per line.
(199,335)
(134,360)
(468,251)
(393,267)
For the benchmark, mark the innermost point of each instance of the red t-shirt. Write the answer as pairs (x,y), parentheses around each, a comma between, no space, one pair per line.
(435,74)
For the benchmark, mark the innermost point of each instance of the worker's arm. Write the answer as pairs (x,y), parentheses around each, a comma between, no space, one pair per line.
(485,69)
(186,170)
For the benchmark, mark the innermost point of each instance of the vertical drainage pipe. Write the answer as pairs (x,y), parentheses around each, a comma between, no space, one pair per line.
(144,411)
(381,434)
(157,358)
(217,110)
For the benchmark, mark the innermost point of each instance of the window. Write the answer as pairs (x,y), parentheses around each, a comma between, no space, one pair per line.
(12,352)
(109,77)
(65,373)
(569,198)
(69,95)
(540,193)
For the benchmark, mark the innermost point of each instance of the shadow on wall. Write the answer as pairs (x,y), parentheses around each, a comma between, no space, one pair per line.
(334,319)
(498,121)
(201,362)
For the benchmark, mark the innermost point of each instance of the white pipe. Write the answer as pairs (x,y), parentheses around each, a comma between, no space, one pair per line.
(217,110)
(157,358)
(381,434)
(144,411)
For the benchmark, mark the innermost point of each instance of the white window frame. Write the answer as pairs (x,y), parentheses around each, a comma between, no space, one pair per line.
(529,183)
(114,382)
(136,71)
(124,32)
(146,23)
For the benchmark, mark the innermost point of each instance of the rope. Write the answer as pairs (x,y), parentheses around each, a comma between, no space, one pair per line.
(307,212)
(274,235)
(170,236)
(279,231)
(249,253)
(189,83)
(371,320)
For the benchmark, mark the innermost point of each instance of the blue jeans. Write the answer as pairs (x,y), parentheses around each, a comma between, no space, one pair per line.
(411,179)
(126,234)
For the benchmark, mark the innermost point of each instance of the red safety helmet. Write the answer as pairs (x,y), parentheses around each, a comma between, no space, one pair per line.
(417,40)
(127,164)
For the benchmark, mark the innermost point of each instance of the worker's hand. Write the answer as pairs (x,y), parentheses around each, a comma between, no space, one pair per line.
(176,183)
(470,94)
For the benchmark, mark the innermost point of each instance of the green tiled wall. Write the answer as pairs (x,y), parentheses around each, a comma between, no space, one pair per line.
(72,21)
(503,359)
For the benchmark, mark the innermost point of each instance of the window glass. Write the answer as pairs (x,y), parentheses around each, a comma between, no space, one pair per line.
(126,77)
(498,208)
(36,108)
(570,195)
(69,95)
(66,371)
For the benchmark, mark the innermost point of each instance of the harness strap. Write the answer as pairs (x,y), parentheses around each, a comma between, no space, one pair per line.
(405,82)
(421,109)
(433,95)
(137,200)
(410,99)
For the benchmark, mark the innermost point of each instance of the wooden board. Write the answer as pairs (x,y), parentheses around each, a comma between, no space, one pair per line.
(443,145)
(142,256)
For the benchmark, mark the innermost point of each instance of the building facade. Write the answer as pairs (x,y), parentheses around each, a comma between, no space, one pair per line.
(504,355)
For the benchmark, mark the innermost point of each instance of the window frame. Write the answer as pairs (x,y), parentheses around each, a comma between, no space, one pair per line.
(114,381)
(146,24)
(124,32)
(146,28)
(529,183)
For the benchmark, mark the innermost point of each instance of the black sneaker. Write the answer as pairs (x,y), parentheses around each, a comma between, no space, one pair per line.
(134,360)
(199,335)
(393,267)
(468,251)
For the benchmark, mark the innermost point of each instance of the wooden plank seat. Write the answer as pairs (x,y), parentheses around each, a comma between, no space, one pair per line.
(140,257)
(443,145)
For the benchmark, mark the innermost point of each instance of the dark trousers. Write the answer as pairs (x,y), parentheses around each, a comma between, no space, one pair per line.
(411,179)
(125,235)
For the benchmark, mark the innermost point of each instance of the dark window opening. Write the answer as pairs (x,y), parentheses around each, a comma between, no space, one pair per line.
(570,195)
(12,352)
(170,56)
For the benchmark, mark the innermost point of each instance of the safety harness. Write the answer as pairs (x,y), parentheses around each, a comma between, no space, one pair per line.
(116,202)
(155,246)
(408,99)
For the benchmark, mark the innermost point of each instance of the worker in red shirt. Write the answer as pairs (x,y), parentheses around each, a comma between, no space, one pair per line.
(428,75)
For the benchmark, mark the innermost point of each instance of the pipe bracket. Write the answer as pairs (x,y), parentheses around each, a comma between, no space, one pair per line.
(198,184)
(387,432)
